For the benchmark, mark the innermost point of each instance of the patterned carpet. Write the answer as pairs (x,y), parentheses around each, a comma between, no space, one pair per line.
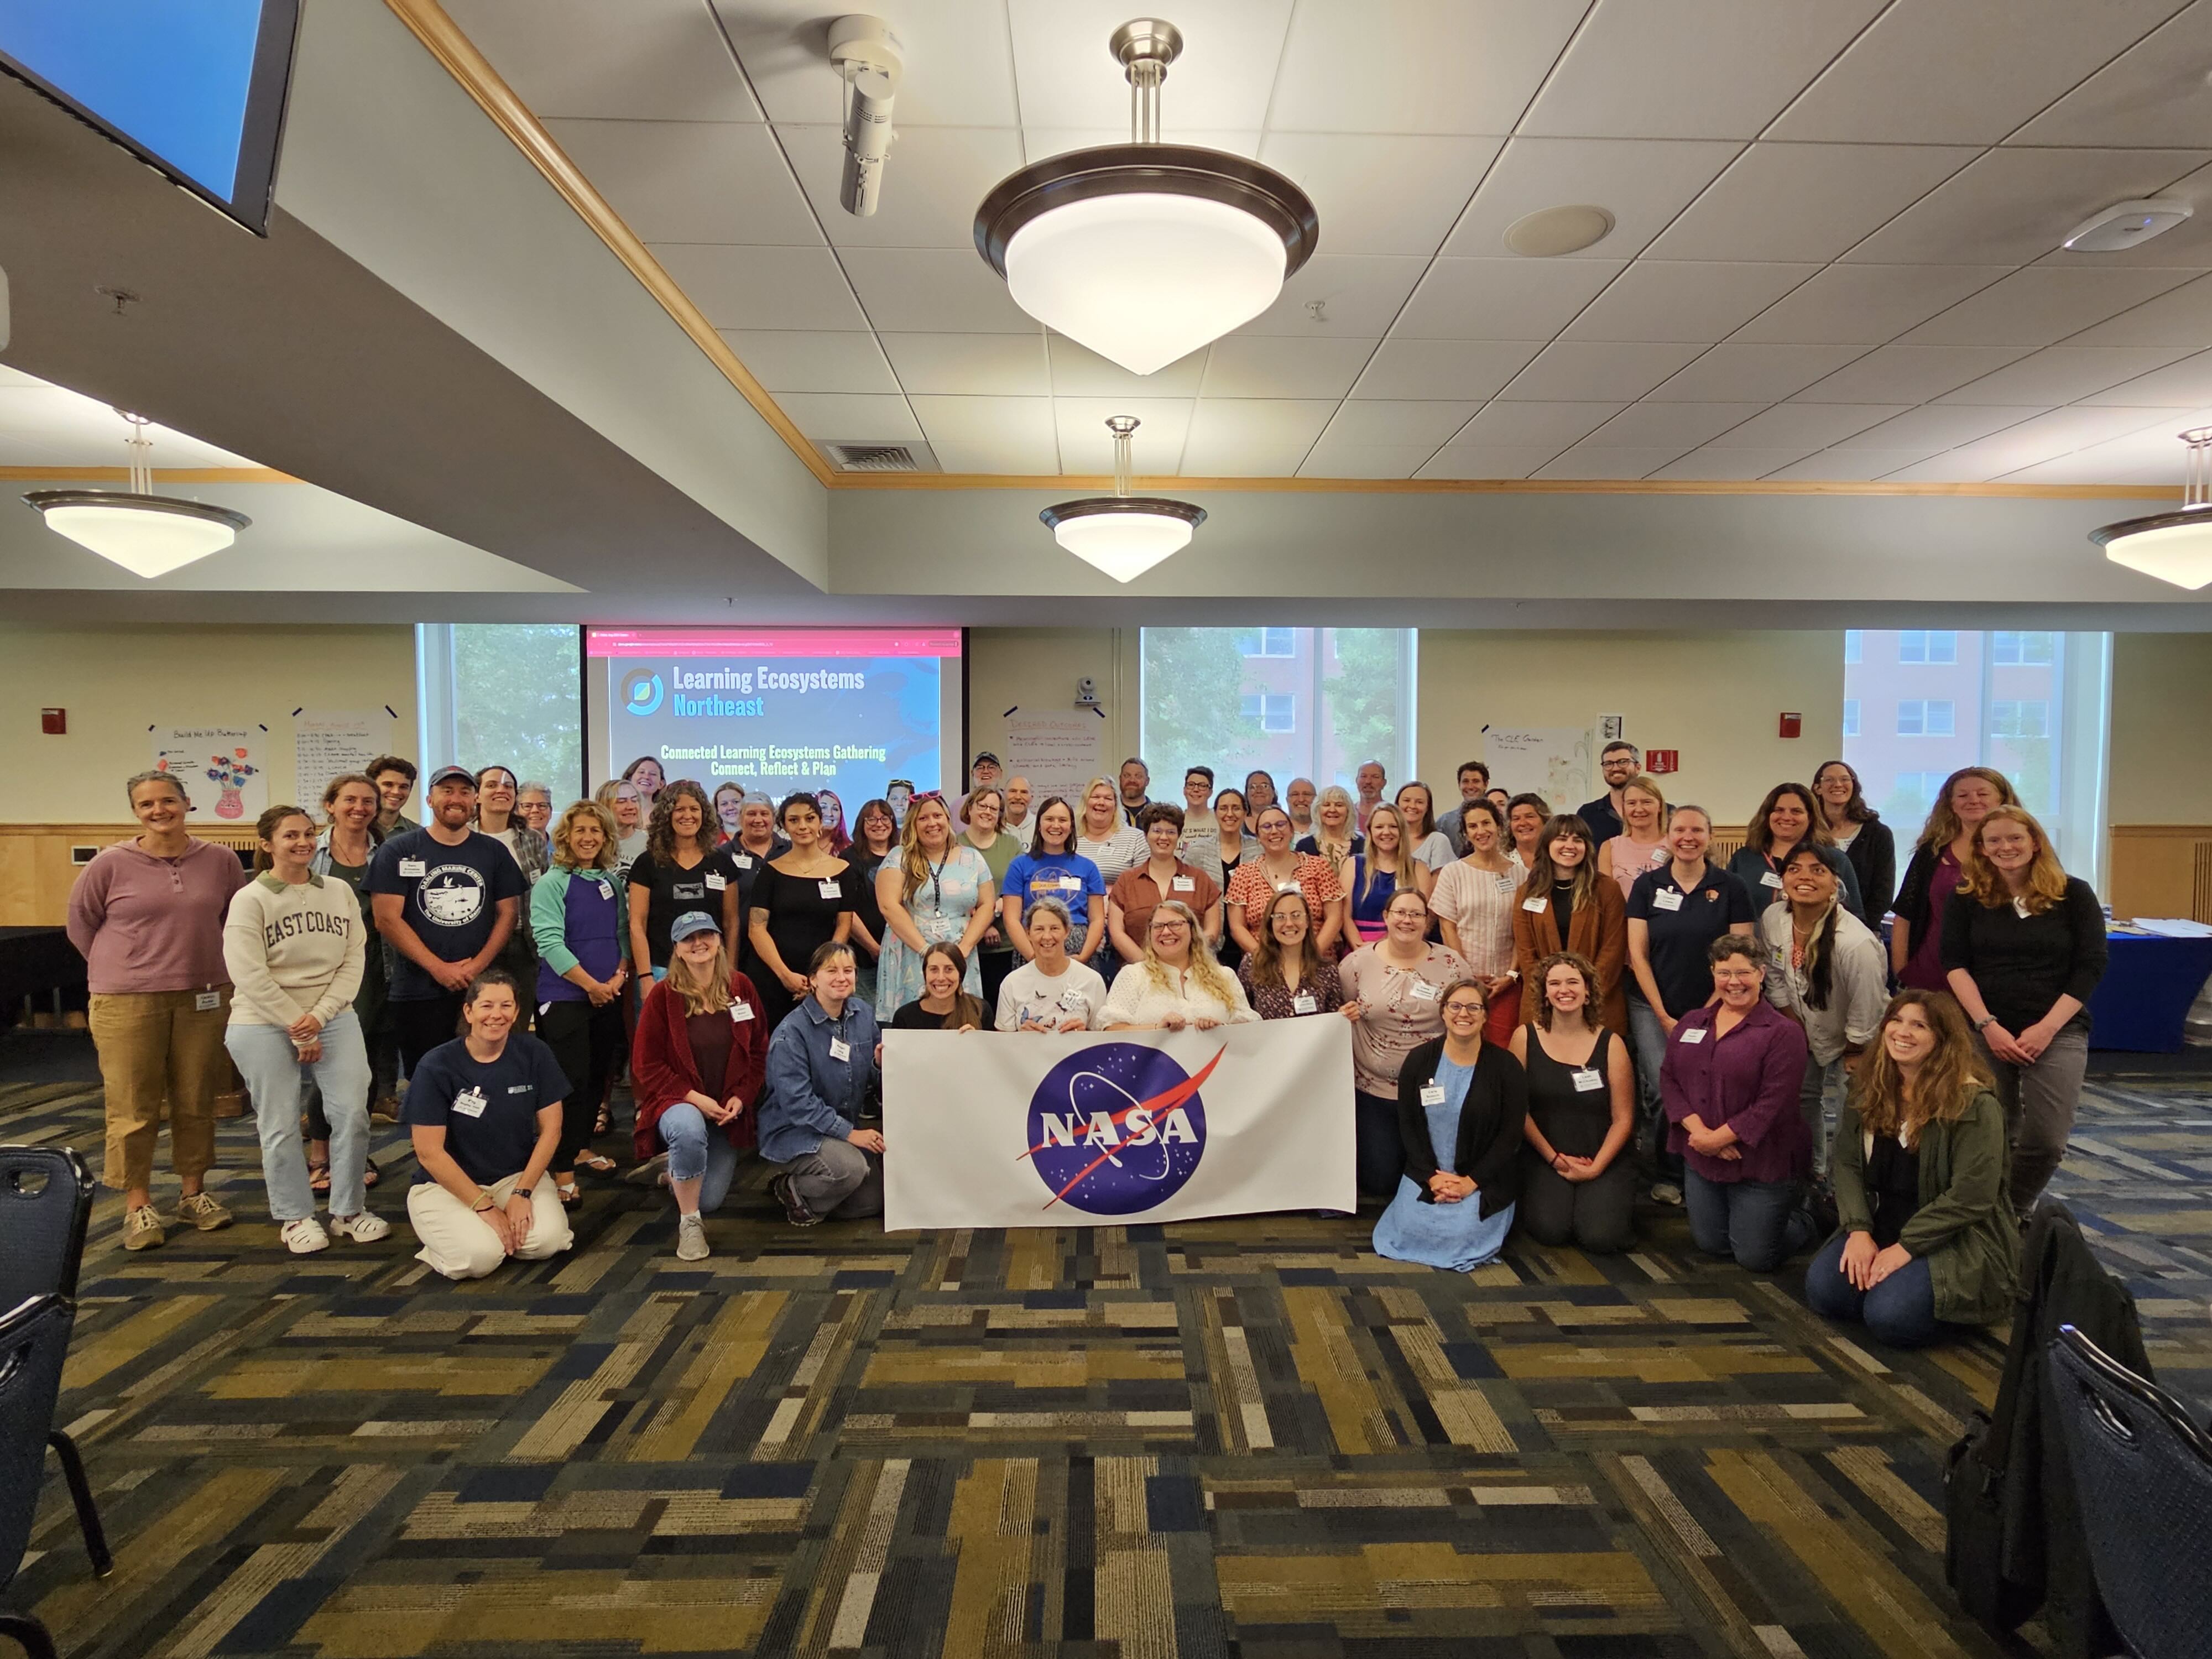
(1249,1437)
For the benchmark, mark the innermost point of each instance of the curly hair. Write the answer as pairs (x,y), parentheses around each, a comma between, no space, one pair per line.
(1583,965)
(660,832)
(1947,1081)
(564,851)
(1210,974)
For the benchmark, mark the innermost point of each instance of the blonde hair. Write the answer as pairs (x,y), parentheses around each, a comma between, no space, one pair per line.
(2046,877)
(1645,782)
(1404,855)
(565,854)
(914,863)
(712,997)
(1083,811)
(1210,974)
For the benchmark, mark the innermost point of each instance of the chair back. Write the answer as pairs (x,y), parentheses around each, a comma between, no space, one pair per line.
(2143,1473)
(34,1344)
(46,1204)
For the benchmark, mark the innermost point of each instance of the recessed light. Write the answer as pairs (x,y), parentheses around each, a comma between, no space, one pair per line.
(1551,232)
(2124,224)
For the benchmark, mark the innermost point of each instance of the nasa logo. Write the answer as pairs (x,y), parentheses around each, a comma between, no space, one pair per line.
(1117,1128)
(642,692)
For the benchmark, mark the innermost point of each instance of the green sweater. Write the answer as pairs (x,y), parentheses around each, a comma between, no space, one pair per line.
(1964,1228)
(549,915)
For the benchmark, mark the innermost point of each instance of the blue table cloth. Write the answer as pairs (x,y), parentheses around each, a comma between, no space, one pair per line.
(2143,999)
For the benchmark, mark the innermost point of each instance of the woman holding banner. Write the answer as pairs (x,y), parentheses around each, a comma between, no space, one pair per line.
(1287,977)
(1176,984)
(1462,1103)
(1049,991)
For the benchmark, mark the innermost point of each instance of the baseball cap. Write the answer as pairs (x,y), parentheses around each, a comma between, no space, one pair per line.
(445,772)
(691,922)
(982,754)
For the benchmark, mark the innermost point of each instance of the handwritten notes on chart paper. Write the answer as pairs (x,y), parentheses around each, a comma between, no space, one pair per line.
(1553,762)
(1057,753)
(325,745)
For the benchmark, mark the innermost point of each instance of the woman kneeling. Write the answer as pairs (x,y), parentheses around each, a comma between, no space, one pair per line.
(1929,1236)
(824,1065)
(484,1111)
(1462,1103)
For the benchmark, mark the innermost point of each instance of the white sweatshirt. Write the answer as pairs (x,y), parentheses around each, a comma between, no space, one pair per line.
(292,950)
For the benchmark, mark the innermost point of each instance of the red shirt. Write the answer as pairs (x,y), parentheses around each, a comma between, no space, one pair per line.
(663,1071)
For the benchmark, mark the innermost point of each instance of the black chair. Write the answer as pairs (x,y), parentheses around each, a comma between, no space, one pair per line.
(46,1204)
(34,1346)
(2143,1473)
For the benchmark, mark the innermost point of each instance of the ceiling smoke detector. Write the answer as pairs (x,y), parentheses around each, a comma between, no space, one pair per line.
(2124,225)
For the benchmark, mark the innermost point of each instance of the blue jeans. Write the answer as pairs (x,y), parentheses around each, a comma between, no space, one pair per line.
(276,1079)
(1758,1223)
(698,1151)
(1381,1158)
(1649,1039)
(1821,1099)
(1900,1312)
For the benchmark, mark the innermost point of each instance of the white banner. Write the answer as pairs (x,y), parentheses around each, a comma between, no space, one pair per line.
(1108,1128)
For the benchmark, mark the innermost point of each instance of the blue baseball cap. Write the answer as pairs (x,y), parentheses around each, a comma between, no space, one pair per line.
(691,922)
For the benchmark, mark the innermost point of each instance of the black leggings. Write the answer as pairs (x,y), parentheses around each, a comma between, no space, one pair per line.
(588,1042)
(1594,1215)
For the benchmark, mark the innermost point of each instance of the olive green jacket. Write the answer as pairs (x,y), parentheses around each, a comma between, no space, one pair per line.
(1964,1228)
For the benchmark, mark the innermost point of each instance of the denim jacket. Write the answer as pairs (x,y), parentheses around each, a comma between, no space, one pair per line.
(809,1096)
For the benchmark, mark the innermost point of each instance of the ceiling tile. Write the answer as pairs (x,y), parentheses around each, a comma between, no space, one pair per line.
(828,415)
(2179,317)
(2042,304)
(932,184)
(1653,426)
(1803,427)
(692,181)
(1580,371)
(1357,296)
(1752,374)
(1683,299)
(2058,433)
(1155,448)
(763,288)
(1040,143)
(805,360)
(1252,437)
(1643,184)
(2065,374)
(1417,66)
(958,69)
(1364,422)
(1938,426)
(971,365)
(1254,366)
(1587,461)
(1446,370)
(1692,69)
(2152,94)
(2184,384)
(1079,372)
(1507,299)
(647,60)
(1848,465)
(2151,456)
(1478,461)
(929,290)
(2015,205)
(1908,374)
(1725,464)
(1865,305)
(1964,71)
(991,434)
(1804,201)
(1550,426)
(1331,460)
(1227,68)
(1380,193)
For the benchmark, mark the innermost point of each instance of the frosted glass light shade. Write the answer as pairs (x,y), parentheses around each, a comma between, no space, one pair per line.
(1123,536)
(2174,547)
(147,535)
(1145,279)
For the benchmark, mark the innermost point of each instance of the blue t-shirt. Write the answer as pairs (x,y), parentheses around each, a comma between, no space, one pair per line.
(1070,878)
(488,1109)
(451,897)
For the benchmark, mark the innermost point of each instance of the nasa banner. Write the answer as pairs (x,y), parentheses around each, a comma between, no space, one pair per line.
(1108,1128)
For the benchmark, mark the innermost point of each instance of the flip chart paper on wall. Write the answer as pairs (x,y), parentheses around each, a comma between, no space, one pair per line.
(1057,753)
(325,745)
(1553,762)
(224,769)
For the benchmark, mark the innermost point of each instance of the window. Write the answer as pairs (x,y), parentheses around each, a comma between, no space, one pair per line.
(1850,717)
(2015,650)
(1926,717)
(2020,718)
(508,694)
(1310,703)
(1928,645)
(1853,647)
(1271,711)
(1268,642)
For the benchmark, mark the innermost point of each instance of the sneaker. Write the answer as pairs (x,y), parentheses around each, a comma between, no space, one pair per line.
(305,1236)
(1666,1192)
(794,1210)
(649,1173)
(691,1239)
(363,1229)
(204,1213)
(142,1228)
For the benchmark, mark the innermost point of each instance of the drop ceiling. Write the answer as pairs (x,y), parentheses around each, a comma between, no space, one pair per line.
(1835,256)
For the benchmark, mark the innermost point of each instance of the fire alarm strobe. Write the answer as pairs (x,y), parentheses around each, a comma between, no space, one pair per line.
(2124,224)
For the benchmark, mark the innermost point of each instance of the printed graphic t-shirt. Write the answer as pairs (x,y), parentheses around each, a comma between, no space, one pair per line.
(488,1109)
(451,897)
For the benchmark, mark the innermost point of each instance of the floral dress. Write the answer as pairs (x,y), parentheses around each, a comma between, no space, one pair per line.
(940,907)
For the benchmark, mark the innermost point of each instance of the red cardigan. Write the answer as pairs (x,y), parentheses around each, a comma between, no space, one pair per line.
(662,1072)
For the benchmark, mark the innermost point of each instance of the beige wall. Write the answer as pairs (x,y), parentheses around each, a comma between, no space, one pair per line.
(1715,698)
(1035,669)
(2161,754)
(116,682)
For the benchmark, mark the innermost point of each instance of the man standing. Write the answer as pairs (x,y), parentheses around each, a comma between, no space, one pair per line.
(1371,779)
(1473,781)
(1136,778)
(1619,761)
(394,779)
(1299,802)
(984,774)
(1017,820)
(445,897)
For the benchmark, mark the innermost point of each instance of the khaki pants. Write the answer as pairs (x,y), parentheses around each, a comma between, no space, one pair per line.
(460,1243)
(156,1045)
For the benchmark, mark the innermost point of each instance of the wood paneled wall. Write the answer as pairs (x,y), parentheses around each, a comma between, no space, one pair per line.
(37,869)
(2162,870)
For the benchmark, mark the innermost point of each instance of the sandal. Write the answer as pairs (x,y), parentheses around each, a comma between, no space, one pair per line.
(566,1190)
(604,1122)
(318,1179)
(370,1175)
(597,1163)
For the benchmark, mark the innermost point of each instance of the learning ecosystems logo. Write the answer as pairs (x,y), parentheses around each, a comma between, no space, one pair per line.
(1117,1128)
(641,691)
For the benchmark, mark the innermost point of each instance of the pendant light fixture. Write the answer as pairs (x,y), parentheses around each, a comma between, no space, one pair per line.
(2174,547)
(1123,535)
(1144,252)
(147,534)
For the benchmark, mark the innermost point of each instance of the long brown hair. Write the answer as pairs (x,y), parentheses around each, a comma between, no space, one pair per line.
(661,830)
(1542,874)
(966,1012)
(1943,827)
(1950,1077)
(1266,957)
(1819,963)
(2046,876)
(1758,836)
(1855,809)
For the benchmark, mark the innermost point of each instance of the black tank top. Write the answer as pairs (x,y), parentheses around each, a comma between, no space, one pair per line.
(1575,1121)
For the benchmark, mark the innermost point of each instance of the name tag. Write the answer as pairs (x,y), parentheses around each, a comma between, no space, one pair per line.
(1695,1034)
(522,1088)
(1587,1079)
(741,1011)
(606,891)
(206,999)
(1666,899)
(413,867)
(1074,1002)
(839,1049)
(1770,879)
(1504,884)
(743,860)
(469,1102)
(1537,905)
(1432,1094)
(1424,992)
(1071,883)
(831,889)
(718,884)
(1305,1003)
(1183,884)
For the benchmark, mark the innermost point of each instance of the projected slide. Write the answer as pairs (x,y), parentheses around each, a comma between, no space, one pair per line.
(778,709)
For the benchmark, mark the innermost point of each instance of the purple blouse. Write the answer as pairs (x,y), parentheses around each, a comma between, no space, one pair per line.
(1748,1080)
(1924,969)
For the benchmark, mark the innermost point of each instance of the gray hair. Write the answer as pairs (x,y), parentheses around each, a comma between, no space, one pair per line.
(545,789)
(1335,792)
(156,775)
(1050,907)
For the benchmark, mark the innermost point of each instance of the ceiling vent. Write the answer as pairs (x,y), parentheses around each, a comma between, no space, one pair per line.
(876,457)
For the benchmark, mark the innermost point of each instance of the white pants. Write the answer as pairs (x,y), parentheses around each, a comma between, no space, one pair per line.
(460,1243)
